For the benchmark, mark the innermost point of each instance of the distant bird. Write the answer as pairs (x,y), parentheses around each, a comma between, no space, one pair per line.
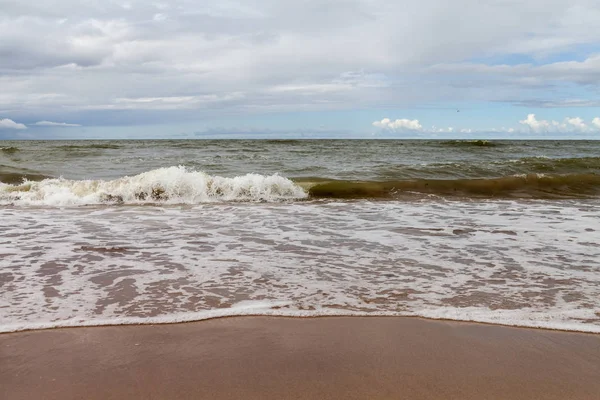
(457,110)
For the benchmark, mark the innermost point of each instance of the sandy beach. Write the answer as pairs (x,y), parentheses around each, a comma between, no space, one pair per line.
(313,358)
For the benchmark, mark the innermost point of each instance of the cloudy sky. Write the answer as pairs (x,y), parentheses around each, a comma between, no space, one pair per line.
(342,68)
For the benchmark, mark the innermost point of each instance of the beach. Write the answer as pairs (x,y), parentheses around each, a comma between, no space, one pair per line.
(339,269)
(300,358)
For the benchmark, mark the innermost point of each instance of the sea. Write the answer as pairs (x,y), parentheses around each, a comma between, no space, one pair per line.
(163,231)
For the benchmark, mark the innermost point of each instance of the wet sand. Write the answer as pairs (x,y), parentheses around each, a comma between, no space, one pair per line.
(285,358)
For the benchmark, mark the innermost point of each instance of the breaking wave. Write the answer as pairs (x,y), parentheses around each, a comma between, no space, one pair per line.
(173,185)
(181,185)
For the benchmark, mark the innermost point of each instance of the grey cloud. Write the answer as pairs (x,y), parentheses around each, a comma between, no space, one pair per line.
(29,42)
(585,72)
(568,103)
(121,57)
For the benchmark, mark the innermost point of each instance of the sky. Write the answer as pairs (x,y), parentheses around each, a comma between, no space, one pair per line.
(109,69)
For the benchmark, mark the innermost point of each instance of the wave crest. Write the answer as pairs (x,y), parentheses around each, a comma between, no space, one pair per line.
(534,186)
(173,185)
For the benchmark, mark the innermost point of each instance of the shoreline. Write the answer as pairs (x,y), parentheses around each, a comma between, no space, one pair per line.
(301,317)
(262,357)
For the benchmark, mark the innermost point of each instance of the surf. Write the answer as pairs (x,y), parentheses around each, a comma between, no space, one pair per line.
(172,185)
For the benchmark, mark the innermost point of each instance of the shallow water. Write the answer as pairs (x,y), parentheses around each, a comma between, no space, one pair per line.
(520,263)
(213,244)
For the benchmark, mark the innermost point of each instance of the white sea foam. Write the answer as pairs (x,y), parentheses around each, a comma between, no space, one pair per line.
(173,185)
(522,319)
(519,263)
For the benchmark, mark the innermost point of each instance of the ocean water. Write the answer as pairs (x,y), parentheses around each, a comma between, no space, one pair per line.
(130,232)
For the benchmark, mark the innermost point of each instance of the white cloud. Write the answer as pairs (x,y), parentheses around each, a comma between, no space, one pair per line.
(535,125)
(570,125)
(10,124)
(50,123)
(575,124)
(435,129)
(399,124)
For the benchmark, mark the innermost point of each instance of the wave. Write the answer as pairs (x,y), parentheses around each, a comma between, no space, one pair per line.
(486,169)
(280,141)
(534,186)
(89,146)
(13,175)
(544,164)
(173,185)
(9,150)
(180,185)
(470,143)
